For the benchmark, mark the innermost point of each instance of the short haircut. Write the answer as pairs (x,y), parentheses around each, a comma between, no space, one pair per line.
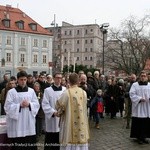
(12,78)
(73,78)
(21,74)
(57,74)
(30,75)
(143,72)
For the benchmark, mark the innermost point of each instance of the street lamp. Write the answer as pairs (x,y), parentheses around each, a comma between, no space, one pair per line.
(55,56)
(103,29)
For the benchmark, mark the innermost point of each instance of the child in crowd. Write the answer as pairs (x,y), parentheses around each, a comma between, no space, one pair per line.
(97,107)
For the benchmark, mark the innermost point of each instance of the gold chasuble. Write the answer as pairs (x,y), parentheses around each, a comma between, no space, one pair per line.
(72,106)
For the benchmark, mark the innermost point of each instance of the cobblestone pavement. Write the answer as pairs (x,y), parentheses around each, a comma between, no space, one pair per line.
(112,135)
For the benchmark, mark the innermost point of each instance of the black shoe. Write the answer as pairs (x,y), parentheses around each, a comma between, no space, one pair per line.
(140,141)
(43,132)
(145,141)
(112,117)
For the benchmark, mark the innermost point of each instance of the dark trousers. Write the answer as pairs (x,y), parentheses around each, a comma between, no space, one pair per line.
(97,117)
(24,143)
(51,141)
(38,126)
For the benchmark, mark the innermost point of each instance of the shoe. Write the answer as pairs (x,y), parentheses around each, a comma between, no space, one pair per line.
(145,141)
(140,141)
(97,126)
(112,117)
(43,132)
(127,127)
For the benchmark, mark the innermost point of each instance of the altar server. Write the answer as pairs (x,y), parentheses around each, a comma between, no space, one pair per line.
(51,95)
(21,107)
(140,97)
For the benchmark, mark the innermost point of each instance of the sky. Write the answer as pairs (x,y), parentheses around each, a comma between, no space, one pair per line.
(79,12)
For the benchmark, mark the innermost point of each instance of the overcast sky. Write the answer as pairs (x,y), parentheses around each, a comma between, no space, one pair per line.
(79,12)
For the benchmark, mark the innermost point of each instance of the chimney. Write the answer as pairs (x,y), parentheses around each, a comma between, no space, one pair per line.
(8,6)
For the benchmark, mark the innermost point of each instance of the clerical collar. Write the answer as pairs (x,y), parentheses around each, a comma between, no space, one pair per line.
(143,82)
(21,89)
(57,88)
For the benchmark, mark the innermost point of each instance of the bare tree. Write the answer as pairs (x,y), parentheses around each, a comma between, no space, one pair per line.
(129,47)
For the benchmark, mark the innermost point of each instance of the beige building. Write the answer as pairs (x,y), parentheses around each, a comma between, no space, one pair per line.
(77,44)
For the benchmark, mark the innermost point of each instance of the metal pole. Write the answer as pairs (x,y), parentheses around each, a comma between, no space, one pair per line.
(103,52)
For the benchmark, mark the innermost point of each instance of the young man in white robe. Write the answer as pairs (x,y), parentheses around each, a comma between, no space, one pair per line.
(72,108)
(140,97)
(21,107)
(51,95)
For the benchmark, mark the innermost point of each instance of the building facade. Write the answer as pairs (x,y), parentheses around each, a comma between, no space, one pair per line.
(24,44)
(77,44)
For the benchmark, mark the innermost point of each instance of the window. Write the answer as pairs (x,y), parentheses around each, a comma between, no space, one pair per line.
(65,32)
(65,50)
(35,58)
(91,41)
(86,49)
(65,42)
(0,39)
(91,49)
(86,41)
(85,58)
(35,43)
(33,26)
(91,30)
(8,57)
(6,23)
(65,58)
(58,35)
(78,41)
(22,58)
(77,49)
(8,40)
(44,59)
(77,58)
(91,58)
(22,42)
(70,32)
(45,43)
(20,24)
(78,32)
(86,31)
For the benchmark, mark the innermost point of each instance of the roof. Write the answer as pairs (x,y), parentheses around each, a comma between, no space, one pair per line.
(15,15)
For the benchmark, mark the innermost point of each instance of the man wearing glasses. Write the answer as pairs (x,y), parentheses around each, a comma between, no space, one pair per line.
(51,95)
(140,97)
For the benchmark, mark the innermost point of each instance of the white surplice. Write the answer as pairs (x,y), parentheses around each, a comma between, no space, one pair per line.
(137,92)
(48,104)
(21,121)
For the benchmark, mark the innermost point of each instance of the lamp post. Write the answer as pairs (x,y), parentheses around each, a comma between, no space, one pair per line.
(103,29)
(54,54)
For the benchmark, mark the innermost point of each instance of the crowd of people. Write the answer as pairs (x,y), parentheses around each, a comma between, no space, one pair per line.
(60,106)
